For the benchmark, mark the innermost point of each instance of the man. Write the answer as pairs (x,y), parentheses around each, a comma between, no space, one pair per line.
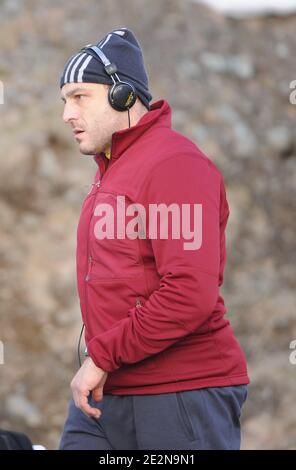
(164,370)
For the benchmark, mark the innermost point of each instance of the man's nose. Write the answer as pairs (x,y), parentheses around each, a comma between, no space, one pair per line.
(70,113)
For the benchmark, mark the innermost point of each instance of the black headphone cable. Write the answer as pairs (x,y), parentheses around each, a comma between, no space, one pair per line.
(78,349)
(129,118)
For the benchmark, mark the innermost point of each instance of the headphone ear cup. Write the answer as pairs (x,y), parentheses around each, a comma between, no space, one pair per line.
(122,96)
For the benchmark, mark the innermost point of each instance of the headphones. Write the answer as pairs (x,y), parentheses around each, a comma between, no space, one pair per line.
(122,95)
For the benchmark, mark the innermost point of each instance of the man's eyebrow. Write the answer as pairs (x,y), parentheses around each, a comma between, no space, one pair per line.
(72,92)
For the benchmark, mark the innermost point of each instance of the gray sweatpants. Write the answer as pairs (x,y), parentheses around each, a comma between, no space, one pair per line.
(189,420)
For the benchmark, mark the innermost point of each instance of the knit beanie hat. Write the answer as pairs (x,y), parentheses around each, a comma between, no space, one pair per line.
(120,47)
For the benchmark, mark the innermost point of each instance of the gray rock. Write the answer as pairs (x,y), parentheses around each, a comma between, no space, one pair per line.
(280,139)
(48,166)
(18,406)
(282,50)
(240,66)
(246,142)
(190,69)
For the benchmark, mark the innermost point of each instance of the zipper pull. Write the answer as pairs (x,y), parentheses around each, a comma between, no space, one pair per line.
(138,303)
(97,184)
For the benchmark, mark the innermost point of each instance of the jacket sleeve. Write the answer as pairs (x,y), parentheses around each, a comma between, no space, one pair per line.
(189,278)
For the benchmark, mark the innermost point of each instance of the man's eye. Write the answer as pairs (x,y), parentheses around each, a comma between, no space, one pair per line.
(79,96)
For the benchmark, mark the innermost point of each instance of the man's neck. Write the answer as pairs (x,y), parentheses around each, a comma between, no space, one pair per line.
(135,115)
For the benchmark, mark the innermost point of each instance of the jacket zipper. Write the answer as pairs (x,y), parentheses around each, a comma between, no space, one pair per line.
(89,257)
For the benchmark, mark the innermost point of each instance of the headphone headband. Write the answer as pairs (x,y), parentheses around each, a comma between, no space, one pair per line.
(122,95)
(98,52)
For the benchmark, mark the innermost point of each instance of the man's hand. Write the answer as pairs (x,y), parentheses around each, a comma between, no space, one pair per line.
(89,379)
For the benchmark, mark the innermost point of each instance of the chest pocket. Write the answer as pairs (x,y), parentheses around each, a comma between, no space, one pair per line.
(113,244)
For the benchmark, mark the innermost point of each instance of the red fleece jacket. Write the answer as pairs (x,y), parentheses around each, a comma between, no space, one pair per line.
(154,316)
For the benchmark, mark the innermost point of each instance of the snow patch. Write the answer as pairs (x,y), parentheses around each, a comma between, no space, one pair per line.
(247,8)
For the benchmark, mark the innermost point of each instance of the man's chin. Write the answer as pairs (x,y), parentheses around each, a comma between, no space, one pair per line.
(87,151)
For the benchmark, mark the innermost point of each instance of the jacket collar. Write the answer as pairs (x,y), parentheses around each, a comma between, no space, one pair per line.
(159,115)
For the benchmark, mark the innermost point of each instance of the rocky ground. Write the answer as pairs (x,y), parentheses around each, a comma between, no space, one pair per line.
(228,82)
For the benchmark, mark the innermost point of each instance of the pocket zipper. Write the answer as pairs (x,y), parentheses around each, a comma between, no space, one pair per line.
(90,263)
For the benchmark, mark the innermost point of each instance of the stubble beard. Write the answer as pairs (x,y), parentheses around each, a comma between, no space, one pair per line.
(101,141)
(92,148)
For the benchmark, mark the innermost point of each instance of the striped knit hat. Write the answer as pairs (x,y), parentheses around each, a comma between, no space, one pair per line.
(119,46)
